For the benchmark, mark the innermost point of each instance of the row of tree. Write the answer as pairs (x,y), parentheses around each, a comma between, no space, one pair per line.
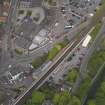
(62,98)
(100,96)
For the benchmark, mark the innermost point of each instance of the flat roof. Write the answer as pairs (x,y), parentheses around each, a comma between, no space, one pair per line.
(86,41)
(33,46)
(3,17)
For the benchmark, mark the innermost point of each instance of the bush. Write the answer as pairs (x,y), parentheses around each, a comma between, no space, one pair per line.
(39,61)
(54,51)
(38,97)
(72,75)
(20,52)
(21,11)
(29,13)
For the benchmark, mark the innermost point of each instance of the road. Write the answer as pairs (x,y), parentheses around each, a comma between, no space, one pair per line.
(6,42)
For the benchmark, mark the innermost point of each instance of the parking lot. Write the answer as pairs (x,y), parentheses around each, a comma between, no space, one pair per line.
(56,20)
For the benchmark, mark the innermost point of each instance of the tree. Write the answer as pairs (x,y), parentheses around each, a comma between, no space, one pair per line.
(38,97)
(101,91)
(62,98)
(91,102)
(39,61)
(100,101)
(29,102)
(75,101)
(103,87)
(84,87)
(72,75)
(56,99)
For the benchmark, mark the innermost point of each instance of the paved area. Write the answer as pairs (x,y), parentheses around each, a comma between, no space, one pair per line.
(72,61)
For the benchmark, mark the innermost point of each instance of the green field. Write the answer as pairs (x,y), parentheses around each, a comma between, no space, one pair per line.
(57,48)
(96,30)
(54,51)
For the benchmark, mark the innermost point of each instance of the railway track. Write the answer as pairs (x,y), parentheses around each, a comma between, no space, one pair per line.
(20,100)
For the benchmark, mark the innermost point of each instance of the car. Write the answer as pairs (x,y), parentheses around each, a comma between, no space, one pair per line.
(9,66)
(56,24)
(68,26)
(63,10)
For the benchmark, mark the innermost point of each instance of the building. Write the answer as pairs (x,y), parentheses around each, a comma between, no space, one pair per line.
(4,10)
(86,41)
(40,39)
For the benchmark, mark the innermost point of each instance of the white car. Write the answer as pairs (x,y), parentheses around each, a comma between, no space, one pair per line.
(68,26)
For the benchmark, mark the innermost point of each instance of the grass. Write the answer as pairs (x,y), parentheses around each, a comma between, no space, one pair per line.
(96,30)
(103,45)
(54,51)
(51,54)
(99,12)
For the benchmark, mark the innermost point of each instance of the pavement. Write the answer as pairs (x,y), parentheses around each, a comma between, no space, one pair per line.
(66,65)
